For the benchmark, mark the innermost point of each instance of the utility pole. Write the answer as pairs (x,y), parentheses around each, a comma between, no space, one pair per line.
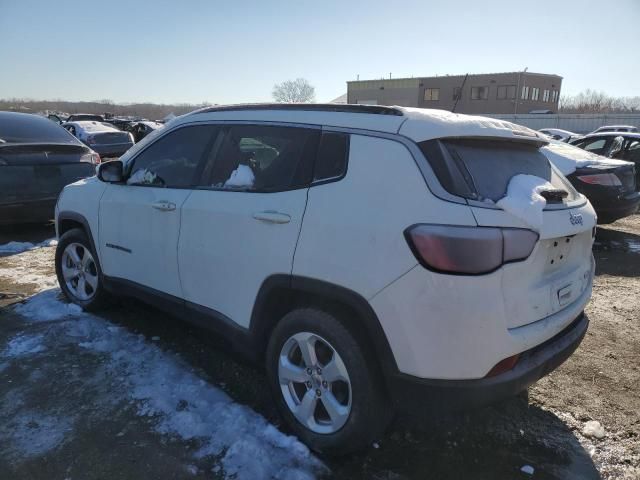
(518,94)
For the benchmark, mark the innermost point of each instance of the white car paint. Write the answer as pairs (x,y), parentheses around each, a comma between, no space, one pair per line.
(214,250)
(559,134)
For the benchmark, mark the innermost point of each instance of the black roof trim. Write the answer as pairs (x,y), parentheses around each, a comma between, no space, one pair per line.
(309,107)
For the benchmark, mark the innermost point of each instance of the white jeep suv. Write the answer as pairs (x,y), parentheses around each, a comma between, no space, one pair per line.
(358,252)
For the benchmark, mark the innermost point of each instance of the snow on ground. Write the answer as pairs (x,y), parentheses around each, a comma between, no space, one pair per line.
(523,199)
(163,388)
(32,269)
(19,247)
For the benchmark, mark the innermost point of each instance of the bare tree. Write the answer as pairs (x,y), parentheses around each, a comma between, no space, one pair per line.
(592,101)
(294,91)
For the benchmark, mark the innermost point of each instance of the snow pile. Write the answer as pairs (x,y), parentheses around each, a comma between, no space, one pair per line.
(16,247)
(241,177)
(19,247)
(166,390)
(24,345)
(523,199)
(567,158)
(593,428)
(528,469)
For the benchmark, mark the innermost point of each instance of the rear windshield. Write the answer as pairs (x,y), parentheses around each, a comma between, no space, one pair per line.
(481,169)
(25,128)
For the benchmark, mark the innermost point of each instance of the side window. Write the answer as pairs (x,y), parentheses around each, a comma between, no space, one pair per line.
(264,158)
(596,146)
(173,160)
(332,156)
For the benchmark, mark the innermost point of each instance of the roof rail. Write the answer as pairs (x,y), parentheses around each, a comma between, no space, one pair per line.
(309,107)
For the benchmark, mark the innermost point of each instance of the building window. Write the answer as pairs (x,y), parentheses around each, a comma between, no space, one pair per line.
(432,94)
(525,93)
(554,96)
(545,96)
(479,93)
(535,94)
(457,93)
(506,92)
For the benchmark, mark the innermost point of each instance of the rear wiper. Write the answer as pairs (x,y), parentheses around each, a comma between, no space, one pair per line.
(554,196)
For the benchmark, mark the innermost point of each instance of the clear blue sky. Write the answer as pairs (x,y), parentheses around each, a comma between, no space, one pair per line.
(235,51)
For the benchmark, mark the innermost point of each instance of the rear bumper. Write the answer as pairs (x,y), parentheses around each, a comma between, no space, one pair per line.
(415,394)
(115,150)
(33,211)
(610,210)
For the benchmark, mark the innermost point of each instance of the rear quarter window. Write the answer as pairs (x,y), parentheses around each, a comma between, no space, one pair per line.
(481,169)
(331,161)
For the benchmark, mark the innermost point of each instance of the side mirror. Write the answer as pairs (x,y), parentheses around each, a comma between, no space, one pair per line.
(111,172)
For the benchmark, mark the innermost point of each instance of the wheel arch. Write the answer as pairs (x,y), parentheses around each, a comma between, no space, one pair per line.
(67,220)
(279,294)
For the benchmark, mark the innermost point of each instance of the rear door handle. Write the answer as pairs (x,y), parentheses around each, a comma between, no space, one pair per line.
(272,217)
(164,206)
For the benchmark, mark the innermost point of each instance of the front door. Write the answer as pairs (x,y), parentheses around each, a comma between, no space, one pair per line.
(242,224)
(140,220)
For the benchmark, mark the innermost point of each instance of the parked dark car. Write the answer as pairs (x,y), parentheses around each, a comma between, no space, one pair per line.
(617,145)
(610,185)
(102,137)
(37,159)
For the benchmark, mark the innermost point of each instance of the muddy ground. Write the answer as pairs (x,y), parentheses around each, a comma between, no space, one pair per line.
(543,430)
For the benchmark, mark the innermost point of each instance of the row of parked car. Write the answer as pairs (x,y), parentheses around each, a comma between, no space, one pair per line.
(110,137)
(605,172)
(43,158)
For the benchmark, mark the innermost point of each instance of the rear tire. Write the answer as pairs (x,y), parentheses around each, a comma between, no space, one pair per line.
(78,271)
(332,396)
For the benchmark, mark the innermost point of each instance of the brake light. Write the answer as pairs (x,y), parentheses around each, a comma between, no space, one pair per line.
(607,179)
(468,250)
(92,158)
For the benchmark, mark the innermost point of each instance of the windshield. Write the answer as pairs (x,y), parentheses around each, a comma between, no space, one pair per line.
(481,169)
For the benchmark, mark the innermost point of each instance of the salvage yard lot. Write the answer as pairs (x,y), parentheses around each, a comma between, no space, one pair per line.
(133,393)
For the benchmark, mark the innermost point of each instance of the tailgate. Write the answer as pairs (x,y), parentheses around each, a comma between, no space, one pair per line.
(558,271)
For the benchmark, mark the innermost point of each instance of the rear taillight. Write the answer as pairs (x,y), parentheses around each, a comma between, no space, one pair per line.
(468,250)
(93,158)
(608,179)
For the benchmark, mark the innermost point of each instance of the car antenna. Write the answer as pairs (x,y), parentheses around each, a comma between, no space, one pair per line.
(459,93)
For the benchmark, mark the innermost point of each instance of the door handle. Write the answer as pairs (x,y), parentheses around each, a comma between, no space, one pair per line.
(164,206)
(272,217)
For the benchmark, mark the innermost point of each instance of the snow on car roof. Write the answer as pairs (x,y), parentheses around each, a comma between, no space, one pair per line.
(426,124)
(569,157)
(419,124)
(93,126)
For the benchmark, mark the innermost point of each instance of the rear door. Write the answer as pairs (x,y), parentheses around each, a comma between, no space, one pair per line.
(140,220)
(241,226)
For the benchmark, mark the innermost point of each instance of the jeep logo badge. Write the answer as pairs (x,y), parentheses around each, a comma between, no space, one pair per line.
(575,218)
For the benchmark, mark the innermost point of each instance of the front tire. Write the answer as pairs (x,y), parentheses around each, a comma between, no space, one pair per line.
(78,271)
(326,384)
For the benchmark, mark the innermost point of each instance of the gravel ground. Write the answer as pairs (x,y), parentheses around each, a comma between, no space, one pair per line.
(75,430)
